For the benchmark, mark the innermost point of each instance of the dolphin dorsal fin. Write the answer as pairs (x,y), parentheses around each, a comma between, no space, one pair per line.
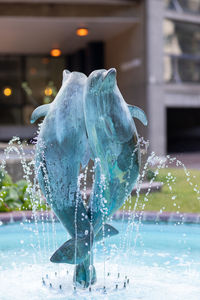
(138,113)
(39,112)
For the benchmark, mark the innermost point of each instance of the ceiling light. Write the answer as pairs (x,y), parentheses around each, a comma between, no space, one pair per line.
(55,52)
(7,91)
(82,31)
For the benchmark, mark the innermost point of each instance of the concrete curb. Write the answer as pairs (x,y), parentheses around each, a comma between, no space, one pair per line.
(145,216)
(154,216)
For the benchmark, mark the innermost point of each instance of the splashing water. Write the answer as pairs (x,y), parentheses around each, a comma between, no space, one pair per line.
(144,260)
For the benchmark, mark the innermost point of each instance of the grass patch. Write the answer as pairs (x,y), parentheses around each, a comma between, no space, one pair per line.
(180,192)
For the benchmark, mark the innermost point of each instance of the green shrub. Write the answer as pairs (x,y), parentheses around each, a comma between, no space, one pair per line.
(5,179)
(16,196)
(150,175)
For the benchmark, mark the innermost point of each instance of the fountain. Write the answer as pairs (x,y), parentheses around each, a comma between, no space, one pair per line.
(89,120)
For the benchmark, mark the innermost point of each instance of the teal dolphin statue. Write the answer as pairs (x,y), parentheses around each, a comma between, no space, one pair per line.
(62,146)
(113,141)
(61,149)
(114,146)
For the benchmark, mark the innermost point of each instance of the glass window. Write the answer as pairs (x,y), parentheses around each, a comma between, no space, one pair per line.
(11,97)
(181,51)
(25,83)
(43,76)
(189,6)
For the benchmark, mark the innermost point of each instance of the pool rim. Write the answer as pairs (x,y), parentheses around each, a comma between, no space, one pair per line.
(144,216)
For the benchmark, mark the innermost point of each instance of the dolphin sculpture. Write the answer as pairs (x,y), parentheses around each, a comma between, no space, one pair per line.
(113,139)
(113,143)
(115,147)
(61,149)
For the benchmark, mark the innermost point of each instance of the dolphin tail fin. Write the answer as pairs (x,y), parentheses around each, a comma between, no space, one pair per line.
(138,113)
(39,112)
(108,231)
(74,251)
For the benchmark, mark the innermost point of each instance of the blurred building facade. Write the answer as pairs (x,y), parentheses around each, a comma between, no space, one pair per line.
(153,44)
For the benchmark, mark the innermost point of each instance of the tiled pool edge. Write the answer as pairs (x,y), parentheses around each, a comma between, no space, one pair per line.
(148,216)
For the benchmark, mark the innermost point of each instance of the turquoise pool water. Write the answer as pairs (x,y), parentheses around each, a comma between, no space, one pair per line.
(160,261)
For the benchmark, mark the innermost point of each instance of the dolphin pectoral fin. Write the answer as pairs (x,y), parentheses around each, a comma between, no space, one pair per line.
(39,112)
(108,232)
(67,254)
(138,113)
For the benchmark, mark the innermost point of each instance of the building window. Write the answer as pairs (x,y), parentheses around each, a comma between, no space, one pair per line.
(181,52)
(183,127)
(187,6)
(26,82)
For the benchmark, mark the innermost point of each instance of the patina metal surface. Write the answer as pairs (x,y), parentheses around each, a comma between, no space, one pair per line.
(88,119)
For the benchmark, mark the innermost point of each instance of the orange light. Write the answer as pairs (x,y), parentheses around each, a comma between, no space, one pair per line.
(55,52)
(82,31)
(45,60)
(48,91)
(7,92)
(33,71)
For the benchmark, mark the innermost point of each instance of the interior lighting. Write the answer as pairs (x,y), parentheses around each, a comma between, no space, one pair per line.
(82,31)
(7,91)
(55,52)
(45,60)
(48,91)
(33,71)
